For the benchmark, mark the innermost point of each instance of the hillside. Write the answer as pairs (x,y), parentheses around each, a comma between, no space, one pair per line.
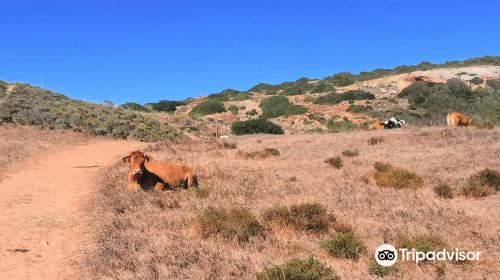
(421,94)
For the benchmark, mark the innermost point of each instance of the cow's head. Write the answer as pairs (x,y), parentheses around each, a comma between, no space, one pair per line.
(136,160)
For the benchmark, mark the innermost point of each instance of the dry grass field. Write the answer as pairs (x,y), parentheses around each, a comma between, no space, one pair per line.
(249,213)
(19,142)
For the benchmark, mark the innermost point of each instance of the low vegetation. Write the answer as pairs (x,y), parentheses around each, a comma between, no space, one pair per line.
(276,106)
(340,125)
(444,190)
(335,162)
(230,95)
(381,271)
(29,105)
(334,98)
(299,269)
(260,154)
(207,107)
(482,183)
(422,243)
(234,223)
(255,126)
(375,140)
(394,177)
(343,245)
(350,152)
(309,217)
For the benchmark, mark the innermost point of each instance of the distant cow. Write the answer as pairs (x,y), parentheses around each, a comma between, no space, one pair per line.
(148,173)
(394,123)
(455,119)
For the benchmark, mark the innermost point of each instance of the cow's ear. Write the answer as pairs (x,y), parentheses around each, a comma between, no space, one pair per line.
(148,158)
(126,159)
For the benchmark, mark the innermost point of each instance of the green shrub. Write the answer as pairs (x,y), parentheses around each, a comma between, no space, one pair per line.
(333,98)
(235,223)
(207,107)
(350,152)
(394,177)
(299,269)
(423,243)
(340,125)
(335,162)
(166,105)
(276,106)
(343,245)
(252,112)
(359,109)
(382,271)
(342,79)
(230,95)
(444,190)
(322,87)
(262,87)
(311,217)
(133,107)
(233,109)
(255,126)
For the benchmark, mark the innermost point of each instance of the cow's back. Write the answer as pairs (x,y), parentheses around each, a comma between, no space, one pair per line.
(170,173)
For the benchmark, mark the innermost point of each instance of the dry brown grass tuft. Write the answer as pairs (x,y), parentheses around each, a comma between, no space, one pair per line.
(350,152)
(444,190)
(375,140)
(481,184)
(485,125)
(262,154)
(147,235)
(335,162)
(235,223)
(310,217)
(395,177)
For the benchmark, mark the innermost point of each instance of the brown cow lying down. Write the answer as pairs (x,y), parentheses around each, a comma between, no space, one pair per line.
(455,119)
(148,173)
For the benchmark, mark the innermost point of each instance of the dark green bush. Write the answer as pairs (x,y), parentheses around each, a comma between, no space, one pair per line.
(341,79)
(350,95)
(166,105)
(133,107)
(207,107)
(233,109)
(276,106)
(359,108)
(230,95)
(255,126)
(252,112)
(343,245)
(299,269)
(237,223)
(322,87)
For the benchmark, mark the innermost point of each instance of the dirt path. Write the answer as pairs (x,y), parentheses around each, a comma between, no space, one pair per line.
(41,209)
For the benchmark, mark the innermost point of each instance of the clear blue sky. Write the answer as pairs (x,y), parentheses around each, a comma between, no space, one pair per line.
(144,51)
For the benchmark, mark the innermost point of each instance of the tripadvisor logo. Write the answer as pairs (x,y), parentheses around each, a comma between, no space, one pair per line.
(387,255)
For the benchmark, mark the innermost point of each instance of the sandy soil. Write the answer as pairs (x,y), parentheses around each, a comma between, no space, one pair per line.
(42,222)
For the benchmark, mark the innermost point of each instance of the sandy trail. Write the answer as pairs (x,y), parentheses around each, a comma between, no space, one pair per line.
(42,209)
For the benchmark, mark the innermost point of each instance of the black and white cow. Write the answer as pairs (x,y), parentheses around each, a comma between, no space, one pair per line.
(394,123)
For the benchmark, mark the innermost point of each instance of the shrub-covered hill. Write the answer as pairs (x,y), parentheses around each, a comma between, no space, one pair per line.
(29,105)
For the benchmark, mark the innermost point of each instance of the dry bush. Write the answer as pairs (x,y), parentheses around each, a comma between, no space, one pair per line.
(375,140)
(343,245)
(395,177)
(310,217)
(424,243)
(381,271)
(335,162)
(229,145)
(482,183)
(236,223)
(262,154)
(444,190)
(350,152)
(485,125)
(300,269)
